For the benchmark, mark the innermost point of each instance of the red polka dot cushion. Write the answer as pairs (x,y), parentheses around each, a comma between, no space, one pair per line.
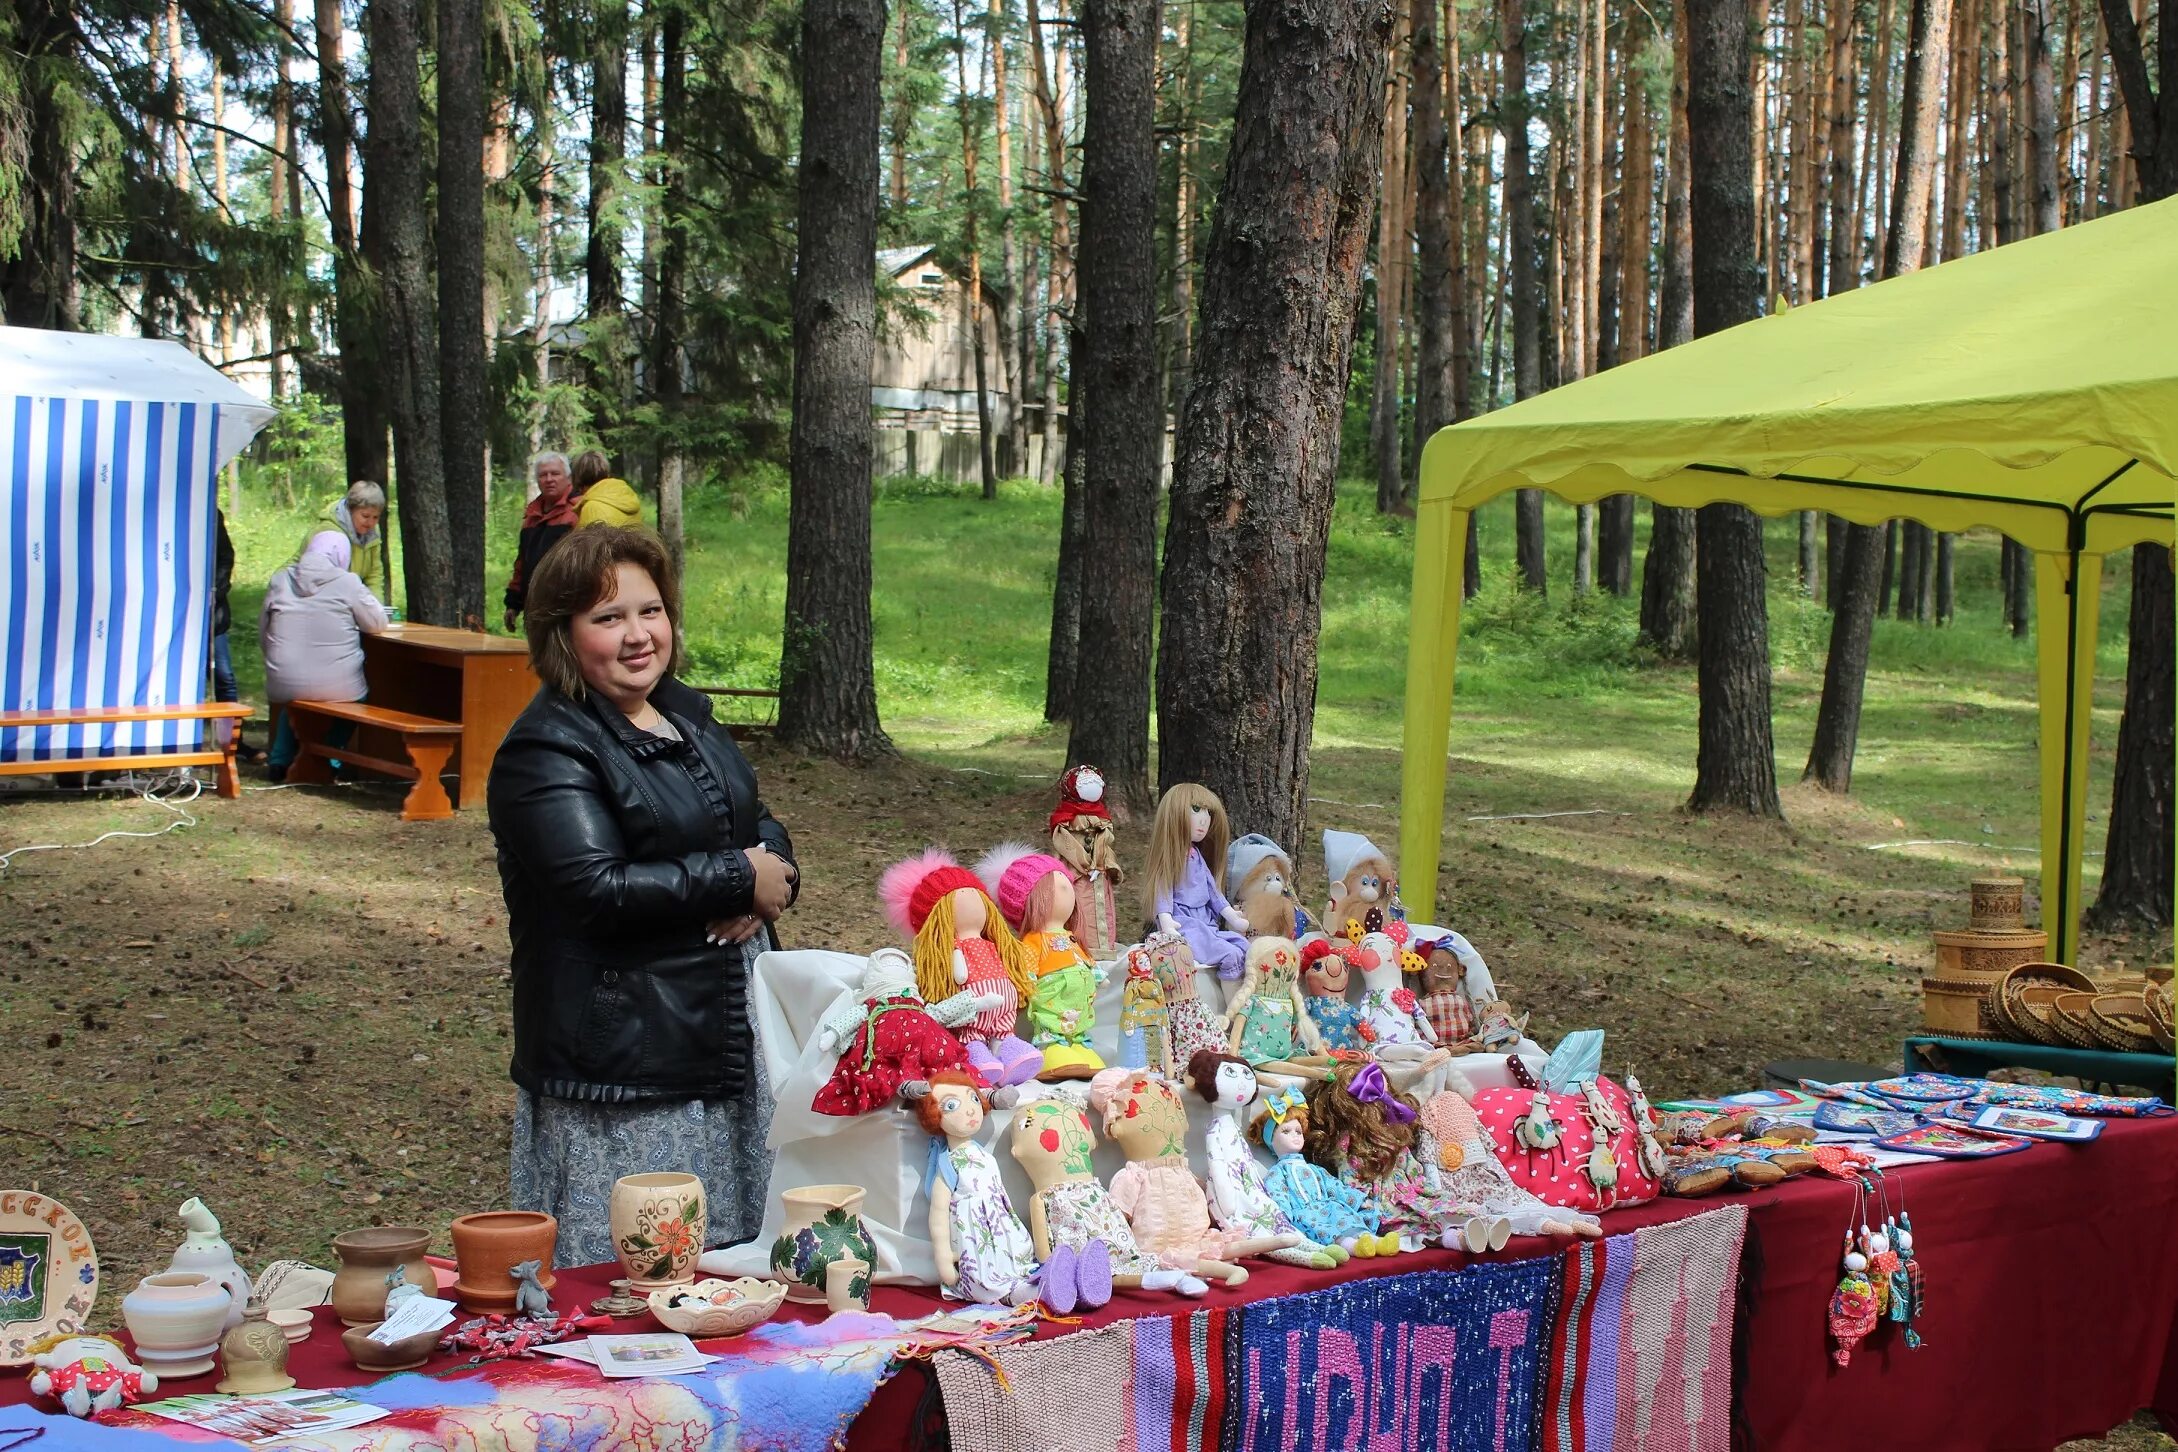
(1558,1175)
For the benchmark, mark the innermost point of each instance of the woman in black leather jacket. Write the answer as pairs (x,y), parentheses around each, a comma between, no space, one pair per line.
(642,875)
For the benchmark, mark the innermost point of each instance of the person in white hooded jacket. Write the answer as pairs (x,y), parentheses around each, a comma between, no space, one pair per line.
(316,614)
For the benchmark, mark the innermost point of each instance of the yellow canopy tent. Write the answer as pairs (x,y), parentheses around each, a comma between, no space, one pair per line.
(2033,389)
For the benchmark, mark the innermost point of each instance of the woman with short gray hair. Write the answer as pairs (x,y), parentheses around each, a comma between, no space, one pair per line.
(360,515)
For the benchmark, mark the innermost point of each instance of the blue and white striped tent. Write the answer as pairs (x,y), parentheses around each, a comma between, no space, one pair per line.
(110,452)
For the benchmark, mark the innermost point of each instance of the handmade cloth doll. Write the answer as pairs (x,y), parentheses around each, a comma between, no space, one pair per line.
(1327,968)
(1362,887)
(1259,881)
(961,941)
(1188,835)
(1319,1204)
(1036,896)
(1440,993)
(1082,838)
(1142,1013)
(1071,1211)
(86,1374)
(1269,1025)
(983,1250)
(1239,1200)
(1190,1023)
(1456,1151)
(889,1036)
(1165,1205)
(1398,1035)
(1365,1132)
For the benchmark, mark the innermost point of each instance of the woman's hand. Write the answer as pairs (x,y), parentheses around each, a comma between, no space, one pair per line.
(732,931)
(774,882)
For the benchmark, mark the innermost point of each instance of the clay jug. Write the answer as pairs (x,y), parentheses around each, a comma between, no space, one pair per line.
(206,1251)
(175,1319)
(256,1356)
(488,1246)
(658,1225)
(822,1226)
(359,1290)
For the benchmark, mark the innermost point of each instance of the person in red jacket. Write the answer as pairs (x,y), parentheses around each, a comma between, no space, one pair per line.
(547,519)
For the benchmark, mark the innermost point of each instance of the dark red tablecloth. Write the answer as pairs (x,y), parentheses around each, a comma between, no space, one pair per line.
(2052,1308)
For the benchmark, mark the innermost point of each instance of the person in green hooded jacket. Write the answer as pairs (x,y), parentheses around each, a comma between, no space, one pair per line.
(360,514)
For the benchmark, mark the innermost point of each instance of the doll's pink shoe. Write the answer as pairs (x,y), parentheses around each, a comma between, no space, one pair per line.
(1018,1060)
(1093,1274)
(1057,1285)
(986,1064)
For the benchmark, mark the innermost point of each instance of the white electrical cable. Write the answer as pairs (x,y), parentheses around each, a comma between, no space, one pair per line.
(173,802)
(1545,816)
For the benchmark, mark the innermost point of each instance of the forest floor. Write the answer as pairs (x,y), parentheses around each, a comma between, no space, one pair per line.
(297,1007)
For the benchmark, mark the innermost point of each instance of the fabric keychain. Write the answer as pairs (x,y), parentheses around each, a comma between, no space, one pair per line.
(1852,1305)
(1876,1245)
(1907,1280)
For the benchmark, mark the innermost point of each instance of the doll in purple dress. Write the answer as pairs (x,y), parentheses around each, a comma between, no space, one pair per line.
(1190,833)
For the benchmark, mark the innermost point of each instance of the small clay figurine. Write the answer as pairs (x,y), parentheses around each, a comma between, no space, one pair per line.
(887,1036)
(1190,833)
(400,1289)
(1165,1205)
(1036,896)
(1651,1153)
(1082,838)
(961,941)
(1269,1022)
(1536,1130)
(1362,885)
(1320,1205)
(529,1297)
(1239,1200)
(1190,1023)
(983,1250)
(86,1374)
(1259,881)
(1071,1210)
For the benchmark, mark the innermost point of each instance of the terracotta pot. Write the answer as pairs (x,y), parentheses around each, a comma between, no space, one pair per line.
(822,1226)
(175,1320)
(658,1224)
(488,1246)
(367,1257)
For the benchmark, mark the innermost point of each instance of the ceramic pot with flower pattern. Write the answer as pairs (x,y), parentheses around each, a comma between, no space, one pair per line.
(658,1224)
(822,1226)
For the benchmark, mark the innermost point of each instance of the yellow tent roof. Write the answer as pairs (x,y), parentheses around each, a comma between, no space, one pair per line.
(2024,388)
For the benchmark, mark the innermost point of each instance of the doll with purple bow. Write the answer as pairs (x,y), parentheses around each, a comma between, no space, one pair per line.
(1365,1132)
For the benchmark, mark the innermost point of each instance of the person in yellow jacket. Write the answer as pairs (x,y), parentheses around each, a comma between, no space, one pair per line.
(610,501)
(358,516)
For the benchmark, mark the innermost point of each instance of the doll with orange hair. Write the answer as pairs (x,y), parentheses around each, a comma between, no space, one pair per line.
(1190,832)
(982,1248)
(962,942)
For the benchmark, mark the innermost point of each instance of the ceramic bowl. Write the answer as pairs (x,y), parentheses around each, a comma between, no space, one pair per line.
(404,1355)
(295,1325)
(730,1307)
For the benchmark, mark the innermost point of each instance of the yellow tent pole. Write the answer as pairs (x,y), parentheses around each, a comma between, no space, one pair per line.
(1433,641)
(2068,601)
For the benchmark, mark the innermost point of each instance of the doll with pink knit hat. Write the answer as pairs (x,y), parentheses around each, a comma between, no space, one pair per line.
(1035,895)
(962,942)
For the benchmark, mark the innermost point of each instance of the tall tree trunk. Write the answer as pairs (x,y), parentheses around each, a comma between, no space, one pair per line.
(282,171)
(1636,196)
(1516,106)
(2034,24)
(464,422)
(1124,420)
(1391,271)
(972,306)
(1011,337)
(1909,568)
(1946,577)
(544,266)
(1463,354)
(395,174)
(1802,154)
(1668,621)
(1808,564)
(1736,768)
(1843,274)
(1183,209)
(1432,233)
(903,112)
(606,341)
(1066,592)
(1256,462)
(1868,551)
(1881,142)
(2136,863)
(1965,47)
(2003,155)
(1890,567)
(1059,276)
(356,300)
(666,327)
(827,687)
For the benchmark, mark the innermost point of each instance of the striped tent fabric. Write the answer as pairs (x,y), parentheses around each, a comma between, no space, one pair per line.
(107,539)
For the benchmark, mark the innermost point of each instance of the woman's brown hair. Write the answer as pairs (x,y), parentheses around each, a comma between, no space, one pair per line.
(589,467)
(577,575)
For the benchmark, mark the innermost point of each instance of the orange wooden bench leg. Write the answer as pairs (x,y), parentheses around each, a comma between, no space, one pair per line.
(427,800)
(309,731)
(230,781)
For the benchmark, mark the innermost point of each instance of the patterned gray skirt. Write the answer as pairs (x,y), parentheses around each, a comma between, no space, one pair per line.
(568,1152)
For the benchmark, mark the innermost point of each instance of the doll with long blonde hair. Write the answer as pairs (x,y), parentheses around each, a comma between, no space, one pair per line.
(1189,833)
(962,942)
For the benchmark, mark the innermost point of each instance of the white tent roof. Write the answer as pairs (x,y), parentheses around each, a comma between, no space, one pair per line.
(38,363)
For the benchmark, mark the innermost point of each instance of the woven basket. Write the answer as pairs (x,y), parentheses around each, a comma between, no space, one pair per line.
(2071,1017)
(2160,1014)
(2021,1001)
(2121,1020)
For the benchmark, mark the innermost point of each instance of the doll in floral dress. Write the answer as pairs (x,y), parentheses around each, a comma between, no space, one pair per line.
(1072,1215)
(1310,1197)
(1190,1024)
(1364,1132)
(1239,1200)
(961,941)
(1269,1023)
(1326,970)
(983,1250)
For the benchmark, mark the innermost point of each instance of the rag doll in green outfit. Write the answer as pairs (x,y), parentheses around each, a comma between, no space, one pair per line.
(1269,1022)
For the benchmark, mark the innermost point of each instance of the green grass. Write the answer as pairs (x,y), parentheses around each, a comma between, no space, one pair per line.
(1556,690)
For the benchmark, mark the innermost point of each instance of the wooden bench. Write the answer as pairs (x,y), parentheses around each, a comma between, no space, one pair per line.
(228,783)
(748,728)
(428,743)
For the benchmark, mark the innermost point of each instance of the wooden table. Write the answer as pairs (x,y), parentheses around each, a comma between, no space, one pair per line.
(481,681)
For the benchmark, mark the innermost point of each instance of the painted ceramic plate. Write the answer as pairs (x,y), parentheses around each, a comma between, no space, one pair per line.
(1944,1142)
(48,1272)
(2037,1124)
(1845,1118)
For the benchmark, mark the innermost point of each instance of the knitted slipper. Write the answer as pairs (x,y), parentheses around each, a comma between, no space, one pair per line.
(1058,1284)
(1093,1274)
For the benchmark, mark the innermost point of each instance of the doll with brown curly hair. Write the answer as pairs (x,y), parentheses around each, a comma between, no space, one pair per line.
(1365,1132)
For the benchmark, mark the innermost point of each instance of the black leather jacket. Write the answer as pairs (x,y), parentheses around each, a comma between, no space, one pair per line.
(616,847)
